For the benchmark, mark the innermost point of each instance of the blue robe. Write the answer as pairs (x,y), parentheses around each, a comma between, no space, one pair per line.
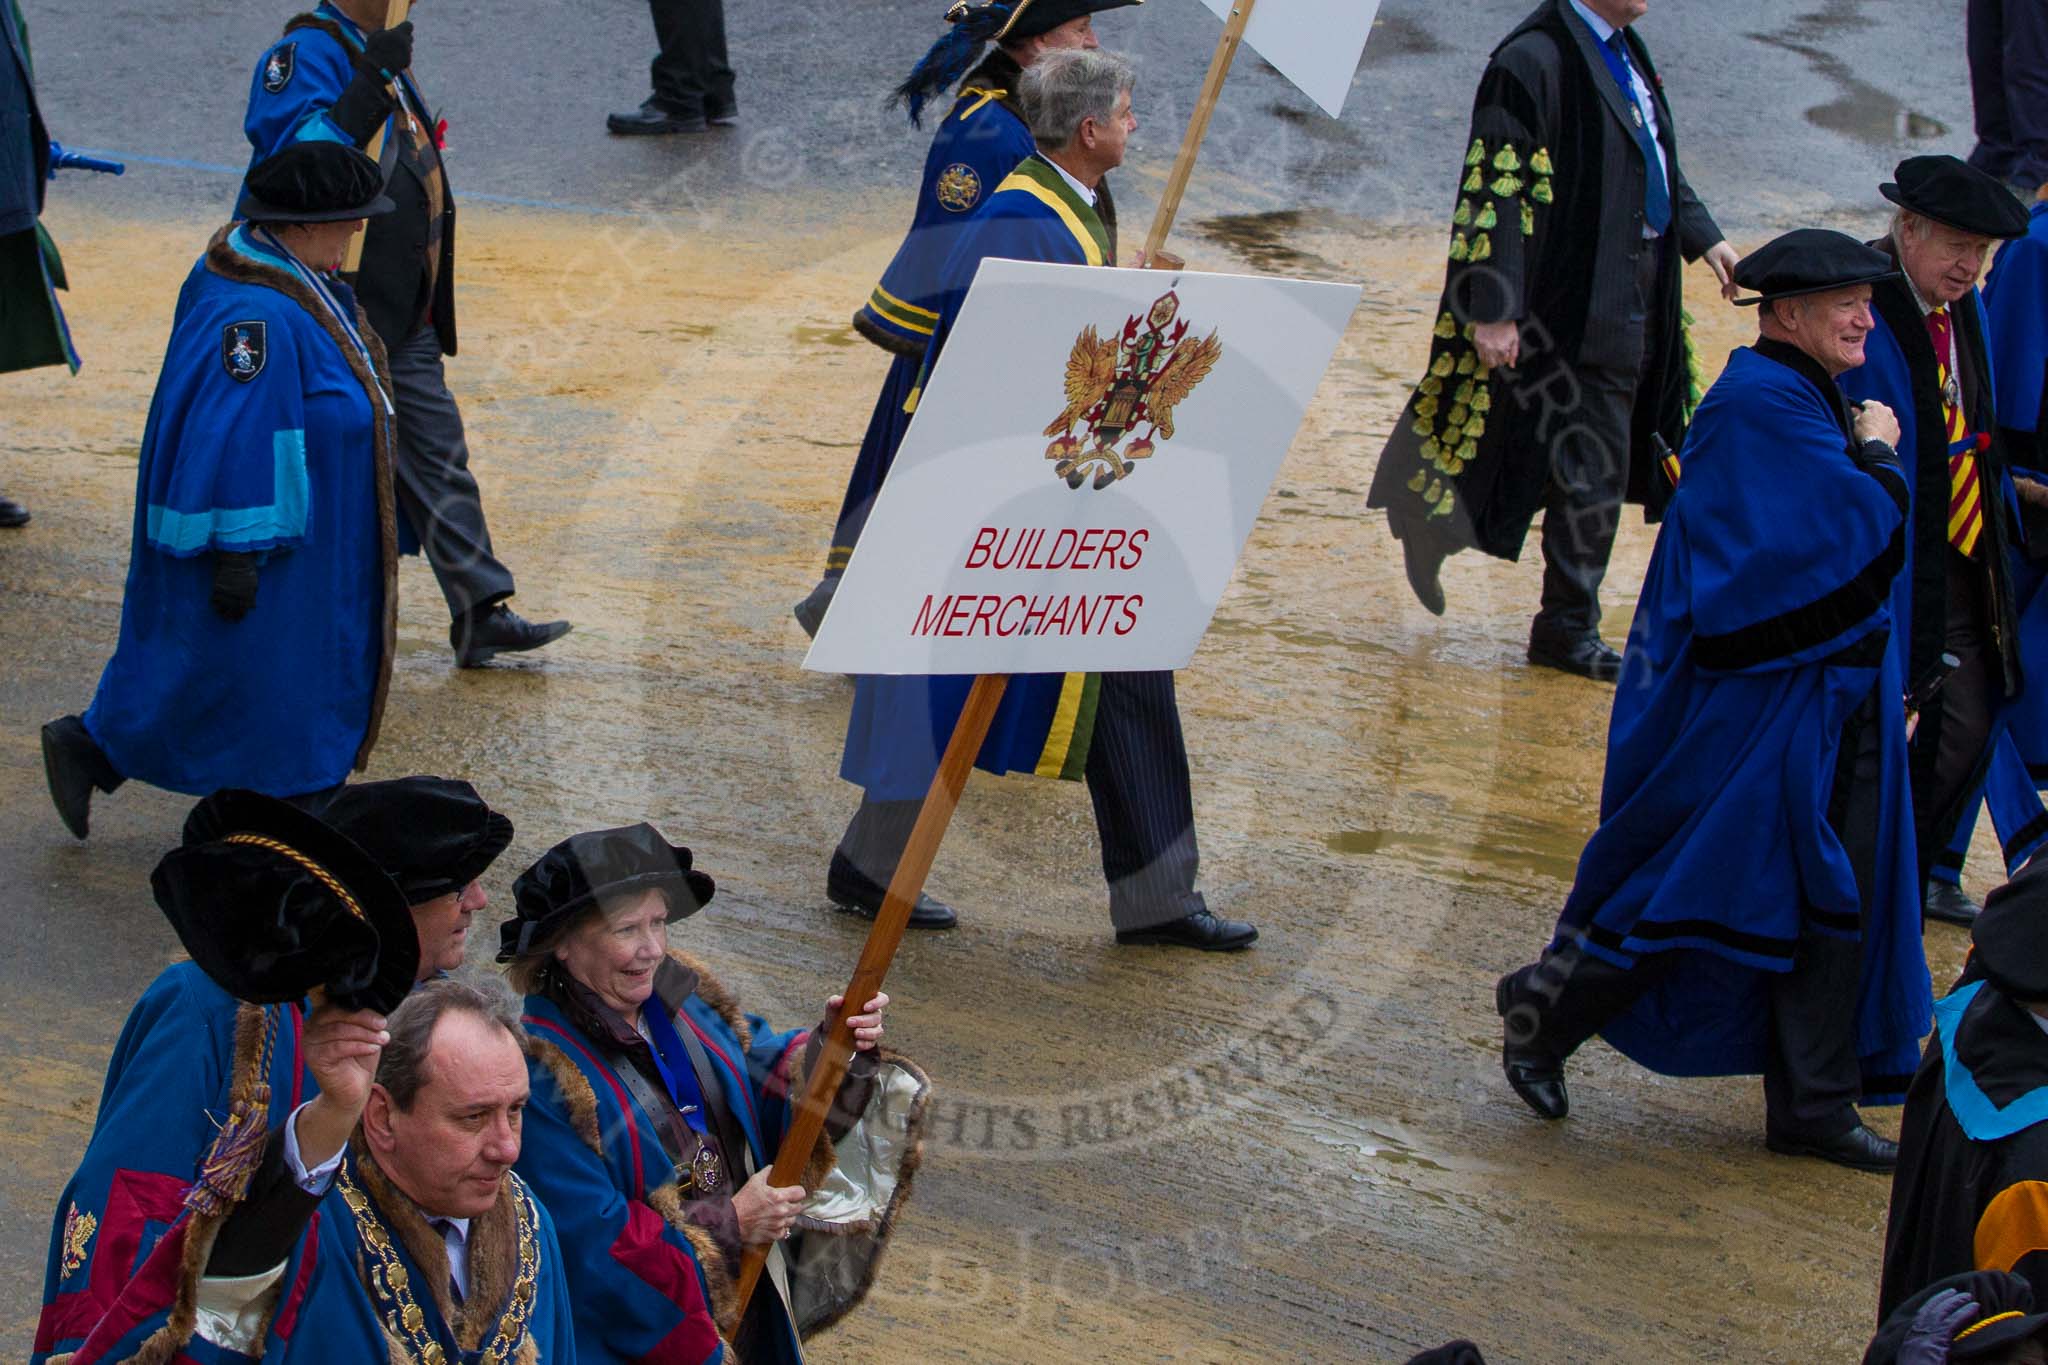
(267,435)
(1714,837)
(980,141)
(330,1313)
(167,1089)
(900,725)
(649,1288)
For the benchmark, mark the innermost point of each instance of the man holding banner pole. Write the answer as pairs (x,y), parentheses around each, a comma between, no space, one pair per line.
(978,143)
(1561,357)
(1119,731)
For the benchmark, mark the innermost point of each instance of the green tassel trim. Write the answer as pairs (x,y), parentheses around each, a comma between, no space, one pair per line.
(1482,247)
(1477,154)
(1528,221)
(1446,327)
(1476,181)
(1488,220)
(1506,160)
(1432,384)
(1505,187)
(1541,163)
(1419,482)
(1540,192)
(1461,250)
(1463,217)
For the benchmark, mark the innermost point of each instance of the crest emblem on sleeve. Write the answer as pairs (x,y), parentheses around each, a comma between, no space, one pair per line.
(244,347)
(1127,384)
(79,1227)
(277,71)
(959,188)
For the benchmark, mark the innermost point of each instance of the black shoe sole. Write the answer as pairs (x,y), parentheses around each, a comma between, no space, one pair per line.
(79,821)
(1541,659)
(1789,1147)
(847,906)
(655,130)
(1145,938)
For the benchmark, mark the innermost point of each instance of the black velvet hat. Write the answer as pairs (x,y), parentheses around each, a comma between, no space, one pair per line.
(2005,1316)
(271,903)
(434,835)
(1810,261)
(973,24)
(570,877)
(313,182)
(1950,190)
(2010,938)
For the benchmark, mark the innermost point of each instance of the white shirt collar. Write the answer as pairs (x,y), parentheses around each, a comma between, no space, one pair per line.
(1601,28)
(1087,195)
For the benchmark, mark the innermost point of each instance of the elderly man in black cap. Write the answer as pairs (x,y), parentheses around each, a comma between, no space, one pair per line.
(1929,360)
(1972,1186)
(421,841)
(1757,743)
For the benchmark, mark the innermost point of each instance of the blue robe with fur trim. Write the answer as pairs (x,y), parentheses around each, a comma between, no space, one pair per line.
(361,1279)
(900,725)
(263,438)
(168,1085)
(647,1290)
(1776,556)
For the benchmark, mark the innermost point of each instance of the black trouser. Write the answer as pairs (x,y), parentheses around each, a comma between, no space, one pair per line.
(1811,1079)
(436,492)
(1137,776)
(1967,701)
(690,74)
(2009,85)
(1589,461)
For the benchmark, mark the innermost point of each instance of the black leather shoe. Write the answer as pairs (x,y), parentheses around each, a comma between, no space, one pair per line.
(1200,930)
(483,635)
(1588,656)
(1533,1074)
(74,767)
(810,613)
(652,120)
(12,513)
(1424,563)
(722,115)
(1949,903)
(856,894)
(1859,1149)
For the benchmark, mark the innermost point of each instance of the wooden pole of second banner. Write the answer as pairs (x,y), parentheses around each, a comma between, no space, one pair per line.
(394,15)
(1198,127)
(883,940)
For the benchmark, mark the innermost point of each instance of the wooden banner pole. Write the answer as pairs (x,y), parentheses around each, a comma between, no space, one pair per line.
(883,940)
(394,15)
(1198,126)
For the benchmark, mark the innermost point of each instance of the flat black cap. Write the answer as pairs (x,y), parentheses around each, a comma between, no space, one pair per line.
(1810,261)
(313,182)
(2005,1316)
(1950,190)
(2010,938)
(272,903)
(434,835)
(569,878)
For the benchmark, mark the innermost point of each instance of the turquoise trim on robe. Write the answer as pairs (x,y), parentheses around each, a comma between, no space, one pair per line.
(282,464)
(1714,838)
(1980,1119)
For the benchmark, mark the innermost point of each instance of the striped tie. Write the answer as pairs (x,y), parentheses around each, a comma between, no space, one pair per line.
(1966,490)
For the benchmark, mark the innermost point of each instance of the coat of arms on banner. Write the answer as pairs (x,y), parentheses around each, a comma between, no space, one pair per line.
(1118,384)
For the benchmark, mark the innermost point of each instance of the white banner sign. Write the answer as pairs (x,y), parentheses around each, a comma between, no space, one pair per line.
(1317,44)
(1082,472)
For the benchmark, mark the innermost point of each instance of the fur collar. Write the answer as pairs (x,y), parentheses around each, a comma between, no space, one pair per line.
(493,1250)
(230,264)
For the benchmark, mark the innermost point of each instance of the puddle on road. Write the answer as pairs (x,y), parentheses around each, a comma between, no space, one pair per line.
(1876,118)
(1262,239)
(808,334)
(1536,852)
(1395,36)
(1863,111)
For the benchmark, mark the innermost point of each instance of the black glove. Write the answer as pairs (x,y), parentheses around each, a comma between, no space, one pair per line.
(234,585)
(386,52)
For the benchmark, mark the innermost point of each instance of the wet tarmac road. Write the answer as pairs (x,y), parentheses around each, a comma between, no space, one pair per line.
(1304,1153)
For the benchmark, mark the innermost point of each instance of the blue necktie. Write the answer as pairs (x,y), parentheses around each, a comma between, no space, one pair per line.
(1656,192)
